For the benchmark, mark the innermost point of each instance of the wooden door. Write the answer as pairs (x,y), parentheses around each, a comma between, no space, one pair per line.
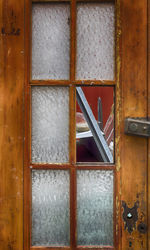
(131,88)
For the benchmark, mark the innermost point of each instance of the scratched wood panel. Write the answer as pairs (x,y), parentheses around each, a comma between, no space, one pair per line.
(134,104)
(11,124)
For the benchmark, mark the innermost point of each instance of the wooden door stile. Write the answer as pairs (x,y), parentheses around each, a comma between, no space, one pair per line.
(134,104)
(118,120)
(11,123)
(148,116)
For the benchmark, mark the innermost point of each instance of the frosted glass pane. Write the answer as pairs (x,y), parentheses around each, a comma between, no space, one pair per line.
(95,207)
(50,124)
(95,41)
(50,208)
(50,41)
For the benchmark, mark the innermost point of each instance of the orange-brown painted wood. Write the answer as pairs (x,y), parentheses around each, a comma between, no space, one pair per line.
(148,116)
(73,82)
(95,248)
(73,41)
(48,1)
(67,248)
(73,206)
(131,100)
(49,248)
(72,127)
(27,173)
(72,166)
(133,154)
(107,1)
(27,130)
(96,167)
(11,123)
(118,118)
(51,166)
(95,82)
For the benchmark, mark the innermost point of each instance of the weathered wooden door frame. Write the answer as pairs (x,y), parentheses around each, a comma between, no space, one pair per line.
(132,88)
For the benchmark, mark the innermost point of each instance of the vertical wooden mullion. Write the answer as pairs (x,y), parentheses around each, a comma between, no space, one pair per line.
(72,139)
(148,100)
(73,215)
(72,127)
(117,124)
(73,41)
(72,96)
(27,120)
(27,177)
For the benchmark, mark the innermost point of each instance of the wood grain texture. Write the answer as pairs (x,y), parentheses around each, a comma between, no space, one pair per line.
(133,153)
(11,124)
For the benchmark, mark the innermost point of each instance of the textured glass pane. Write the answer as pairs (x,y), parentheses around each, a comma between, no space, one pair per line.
(50,124)
(50,207)
(95,207)
(95,41)
(50,41)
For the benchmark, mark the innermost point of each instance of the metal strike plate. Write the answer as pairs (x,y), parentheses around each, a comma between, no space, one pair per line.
(137,127)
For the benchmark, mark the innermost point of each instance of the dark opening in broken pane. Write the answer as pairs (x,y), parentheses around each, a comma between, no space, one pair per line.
(95,124)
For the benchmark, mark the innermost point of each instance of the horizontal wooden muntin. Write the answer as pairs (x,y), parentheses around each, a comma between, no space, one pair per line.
(51,248)
(60,1)
(84,166)
(69,248)
(73,83)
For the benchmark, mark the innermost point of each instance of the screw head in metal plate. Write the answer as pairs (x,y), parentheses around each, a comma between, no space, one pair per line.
(133,127)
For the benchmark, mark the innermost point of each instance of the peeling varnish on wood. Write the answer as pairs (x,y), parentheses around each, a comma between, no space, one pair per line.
(117,214)
(118,90)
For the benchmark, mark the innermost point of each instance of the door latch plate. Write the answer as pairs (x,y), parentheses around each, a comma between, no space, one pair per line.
(137,127)
(130,216)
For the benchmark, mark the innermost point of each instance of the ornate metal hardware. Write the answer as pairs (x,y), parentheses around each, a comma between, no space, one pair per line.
(137,127)
(130,216)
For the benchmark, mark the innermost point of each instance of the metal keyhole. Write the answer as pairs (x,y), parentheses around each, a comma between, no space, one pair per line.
(129,216)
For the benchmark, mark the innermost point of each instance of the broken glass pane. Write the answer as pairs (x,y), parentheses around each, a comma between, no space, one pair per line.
(95,124)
